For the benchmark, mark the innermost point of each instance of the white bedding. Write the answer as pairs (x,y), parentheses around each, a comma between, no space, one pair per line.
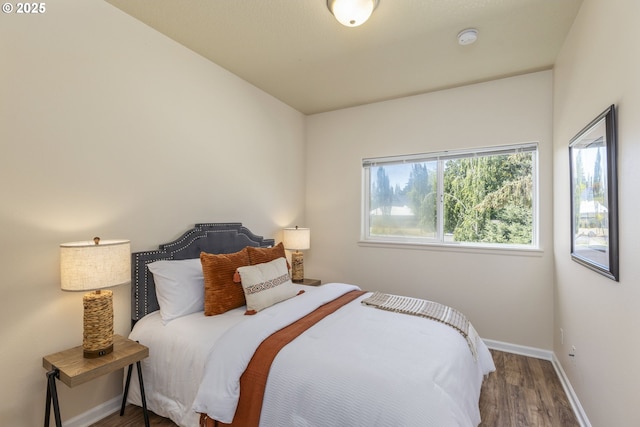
(359,367)
(177,355)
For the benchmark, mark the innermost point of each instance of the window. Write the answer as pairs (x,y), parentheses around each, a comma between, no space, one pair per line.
(484,197)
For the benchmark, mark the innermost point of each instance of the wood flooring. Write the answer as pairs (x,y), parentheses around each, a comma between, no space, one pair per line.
(523,392)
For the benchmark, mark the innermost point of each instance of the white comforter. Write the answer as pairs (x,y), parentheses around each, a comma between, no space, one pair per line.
(177,355)
(360,366)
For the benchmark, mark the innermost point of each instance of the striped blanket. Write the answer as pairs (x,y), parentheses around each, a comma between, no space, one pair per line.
(428,309)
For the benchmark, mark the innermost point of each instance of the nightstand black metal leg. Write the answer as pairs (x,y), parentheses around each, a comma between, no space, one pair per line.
(52,397)
(126,390)
(142,395)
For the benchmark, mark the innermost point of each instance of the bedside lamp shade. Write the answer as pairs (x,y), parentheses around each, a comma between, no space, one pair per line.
(297,239)
(91,266)
(86,266)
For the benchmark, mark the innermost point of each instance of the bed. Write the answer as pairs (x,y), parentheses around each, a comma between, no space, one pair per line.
(336,361)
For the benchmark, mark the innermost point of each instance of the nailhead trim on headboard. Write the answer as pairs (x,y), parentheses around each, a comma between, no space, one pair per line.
(212,237)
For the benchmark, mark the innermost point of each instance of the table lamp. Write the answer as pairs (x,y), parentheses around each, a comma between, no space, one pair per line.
(92,266)
(296,239)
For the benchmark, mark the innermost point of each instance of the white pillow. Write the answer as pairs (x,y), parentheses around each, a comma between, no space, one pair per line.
(266,284)
(179,287)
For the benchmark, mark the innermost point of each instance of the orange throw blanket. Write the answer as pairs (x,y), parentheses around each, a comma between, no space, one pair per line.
(254,379)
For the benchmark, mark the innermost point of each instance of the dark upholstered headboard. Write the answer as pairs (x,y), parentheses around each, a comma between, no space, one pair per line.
(219,238)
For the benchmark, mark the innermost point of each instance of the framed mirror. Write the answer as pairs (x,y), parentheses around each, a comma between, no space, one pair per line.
(594,195)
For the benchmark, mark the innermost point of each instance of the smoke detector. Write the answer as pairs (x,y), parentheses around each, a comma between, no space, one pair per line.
(468,36)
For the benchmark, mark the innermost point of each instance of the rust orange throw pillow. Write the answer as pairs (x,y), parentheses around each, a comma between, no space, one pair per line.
(220,293)
(262,255)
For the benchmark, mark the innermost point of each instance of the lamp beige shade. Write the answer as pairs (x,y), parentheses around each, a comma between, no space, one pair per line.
(86,266)
(94,265)
(296,239)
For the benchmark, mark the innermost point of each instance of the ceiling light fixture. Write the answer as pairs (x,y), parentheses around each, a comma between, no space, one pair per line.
(468,36)
(352,13)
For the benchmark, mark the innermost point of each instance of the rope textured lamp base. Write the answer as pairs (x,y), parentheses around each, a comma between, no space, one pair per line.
(297,267)
(98,324)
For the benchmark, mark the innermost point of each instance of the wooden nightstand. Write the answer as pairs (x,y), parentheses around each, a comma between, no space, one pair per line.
(70,367)
(310,282)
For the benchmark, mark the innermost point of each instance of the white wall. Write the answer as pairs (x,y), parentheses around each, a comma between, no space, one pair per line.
(507,297)
(599,66)
(104,123)
(109,128)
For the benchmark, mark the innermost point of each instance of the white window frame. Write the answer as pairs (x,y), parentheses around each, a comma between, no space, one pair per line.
(441,157)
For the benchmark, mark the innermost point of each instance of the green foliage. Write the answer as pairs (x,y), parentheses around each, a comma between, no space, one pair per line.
(512,225)
(488,199)
(421,195)
(580,185)
(598,187)
(383,192)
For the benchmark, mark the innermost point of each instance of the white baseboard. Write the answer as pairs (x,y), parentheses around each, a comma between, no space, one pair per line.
(571,394)
(520,349)
(95,414)
(550,356)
